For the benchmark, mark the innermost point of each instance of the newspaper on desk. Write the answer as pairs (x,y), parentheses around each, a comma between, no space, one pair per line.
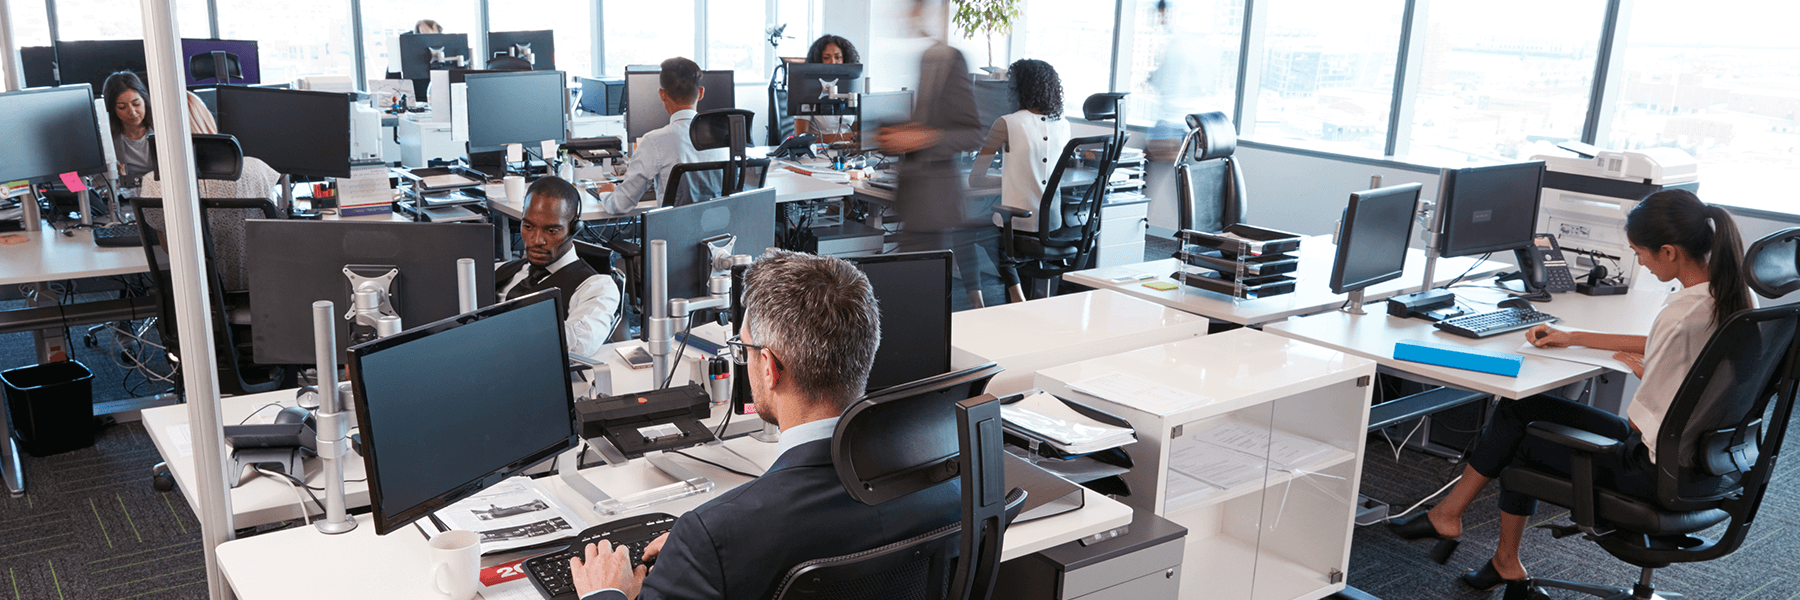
(516,513)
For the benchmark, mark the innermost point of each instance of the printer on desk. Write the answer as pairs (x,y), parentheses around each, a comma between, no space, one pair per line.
(637,424)
(1585,199)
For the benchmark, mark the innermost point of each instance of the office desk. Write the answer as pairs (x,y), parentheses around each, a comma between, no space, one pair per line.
(49,256)
(1025,337)
(396,566)
(1373,335)
(794,187)
(1312,292)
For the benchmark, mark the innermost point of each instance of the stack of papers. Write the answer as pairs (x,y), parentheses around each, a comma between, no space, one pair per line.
(513,514)
(1138,393)
(1044,417)
(1232,454)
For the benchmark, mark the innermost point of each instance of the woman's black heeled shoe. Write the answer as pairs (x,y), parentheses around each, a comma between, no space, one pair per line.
(1486,579)
(1419,527)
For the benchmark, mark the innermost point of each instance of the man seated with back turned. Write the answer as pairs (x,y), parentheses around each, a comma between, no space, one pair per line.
(590,299)
(811,331)
(659,151)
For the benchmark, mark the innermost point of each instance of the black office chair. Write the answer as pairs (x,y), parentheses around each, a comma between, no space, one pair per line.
(902,440)
(1715,452)
(698,182)
(1773,264)
(1067,225)
(508,63)
(781,125)
(1209,181)
(601,259)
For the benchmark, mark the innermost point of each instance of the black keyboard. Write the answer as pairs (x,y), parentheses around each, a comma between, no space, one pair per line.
(1480,325)
(550,572)
(117,235)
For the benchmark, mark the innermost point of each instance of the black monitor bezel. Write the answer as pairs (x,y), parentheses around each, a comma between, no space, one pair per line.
(256,95)
(369,427)
(706,103)
(1351,212)
(100,133)
(1447,205)
(543,61)
(502,76)
(797,70)
(416,65)
(865,127)
(948,258)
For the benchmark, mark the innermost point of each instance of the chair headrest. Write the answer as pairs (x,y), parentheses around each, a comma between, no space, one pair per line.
(508,63)
(1103,106)
(216,156)
(1772,264)
(896,441)
(1214,135)
(712,129)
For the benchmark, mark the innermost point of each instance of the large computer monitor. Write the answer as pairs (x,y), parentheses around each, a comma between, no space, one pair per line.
(1489,209)
(540,45)
(453,407)
(241,64)
(296,132)
(296,262)
(879,110)
(415,52)
(39,64)
(808,82)
(644,111)
(46,132)
(914,292)
(603,96)
(523,107)
(90,62)
(747,216)
(1372,243)
(994,99)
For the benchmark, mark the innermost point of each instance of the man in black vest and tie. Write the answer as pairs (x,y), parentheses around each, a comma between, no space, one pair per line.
(590,299)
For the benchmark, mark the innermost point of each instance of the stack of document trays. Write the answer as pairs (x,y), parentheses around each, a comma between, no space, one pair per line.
(1045,418)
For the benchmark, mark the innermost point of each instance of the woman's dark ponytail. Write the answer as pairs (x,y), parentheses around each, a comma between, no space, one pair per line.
(1678,218)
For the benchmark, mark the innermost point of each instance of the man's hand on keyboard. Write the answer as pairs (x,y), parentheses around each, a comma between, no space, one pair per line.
(655,548)
(605,568)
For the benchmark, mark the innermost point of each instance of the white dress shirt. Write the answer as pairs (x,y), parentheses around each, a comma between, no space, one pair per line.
(810,431)
(592,307)
(1676,338)
(656,154)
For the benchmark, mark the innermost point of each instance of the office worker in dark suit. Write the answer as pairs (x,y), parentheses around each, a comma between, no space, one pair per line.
(811,331)
(590,298)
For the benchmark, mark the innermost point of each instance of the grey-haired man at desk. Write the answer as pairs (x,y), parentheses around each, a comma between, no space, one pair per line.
(590,299)
(811,332)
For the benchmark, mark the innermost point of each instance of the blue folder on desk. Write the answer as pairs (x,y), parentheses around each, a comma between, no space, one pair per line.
(1459,357)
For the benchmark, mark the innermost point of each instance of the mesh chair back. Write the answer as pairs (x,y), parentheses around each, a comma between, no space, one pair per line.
(690,183)
(913,569)
(1772,264)
(1708,441)
(1053,207)
(226,241)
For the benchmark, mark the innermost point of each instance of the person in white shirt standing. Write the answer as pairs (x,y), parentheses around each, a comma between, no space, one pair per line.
(659,151)
(1676,237)
(590,298)
(1032,140)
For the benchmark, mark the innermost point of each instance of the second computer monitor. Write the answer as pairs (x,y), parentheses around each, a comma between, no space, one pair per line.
(415,52)
(541,45)
(524,107)
(1489,209)
(45,132)
(644,110)
(1371,245)
(748,216)
(809,84)
(296,132)
(91,62)
(913,290)
(881,110)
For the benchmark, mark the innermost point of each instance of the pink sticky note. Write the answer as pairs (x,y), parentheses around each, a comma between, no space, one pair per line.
(73,182)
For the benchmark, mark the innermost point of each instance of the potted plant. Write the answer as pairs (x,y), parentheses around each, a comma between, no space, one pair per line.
(986,17)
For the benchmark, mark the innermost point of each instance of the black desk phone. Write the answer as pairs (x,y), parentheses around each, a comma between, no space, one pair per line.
(1543,266)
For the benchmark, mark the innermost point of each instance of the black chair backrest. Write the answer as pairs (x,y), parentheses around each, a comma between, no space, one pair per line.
(691,183)
(1209,181)
(1053,204)
(508,63)
(216,156)
(1711,440)
(1772,264)
(780,126)
(226,245)
(897,441)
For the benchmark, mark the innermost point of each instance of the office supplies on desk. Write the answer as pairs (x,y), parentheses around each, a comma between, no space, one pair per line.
(513,515)
(118,235)
(633,423)
(1459,357)
(1046,494)
(550,572)
(1053,420)
(1480,325)
(1578,354)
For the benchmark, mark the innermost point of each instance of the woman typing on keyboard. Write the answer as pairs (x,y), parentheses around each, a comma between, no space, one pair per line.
(1678,238)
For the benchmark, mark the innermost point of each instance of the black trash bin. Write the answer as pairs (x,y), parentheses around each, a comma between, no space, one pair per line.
(52,406)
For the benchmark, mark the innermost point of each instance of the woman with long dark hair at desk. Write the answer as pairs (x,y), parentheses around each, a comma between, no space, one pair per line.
(1677,237)
(128,108)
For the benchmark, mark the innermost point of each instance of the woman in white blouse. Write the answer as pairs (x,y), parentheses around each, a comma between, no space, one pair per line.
(1678,238)
(1031,140)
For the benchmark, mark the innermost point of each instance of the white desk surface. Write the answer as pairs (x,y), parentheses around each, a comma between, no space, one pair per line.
(48,255)
(1373,336)
(396,566)
(1312,292)
(793,187)
(1024,337)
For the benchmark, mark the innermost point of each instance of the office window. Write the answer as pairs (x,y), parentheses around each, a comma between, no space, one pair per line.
(1722,85)
(571,20)
(645,33)
(1328,74)
(30,27)
(800,17)
(1501,82)
(104,20)
(382,20)
(1074,36)
(295,39)
(735,39)
(1184,61)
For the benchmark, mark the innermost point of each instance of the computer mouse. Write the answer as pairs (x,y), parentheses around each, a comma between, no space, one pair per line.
(1519,303)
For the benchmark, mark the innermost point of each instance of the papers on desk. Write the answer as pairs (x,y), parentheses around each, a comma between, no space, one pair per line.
(1577,354)
(1044,417)
(1139,393)
(516,513)
(447,181)
(1232,454)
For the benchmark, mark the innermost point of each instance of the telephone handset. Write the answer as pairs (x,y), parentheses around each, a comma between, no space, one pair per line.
(1543,266)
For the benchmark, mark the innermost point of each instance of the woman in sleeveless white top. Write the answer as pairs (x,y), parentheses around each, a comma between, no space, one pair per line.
(1032,140)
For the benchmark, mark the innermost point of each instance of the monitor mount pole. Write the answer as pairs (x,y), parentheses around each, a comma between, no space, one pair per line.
(333,429)
(666,312)
(1434,224)
(465,285)
(287,194)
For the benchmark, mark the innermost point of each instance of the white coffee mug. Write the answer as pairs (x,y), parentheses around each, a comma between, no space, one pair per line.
(456,564)
(515,188)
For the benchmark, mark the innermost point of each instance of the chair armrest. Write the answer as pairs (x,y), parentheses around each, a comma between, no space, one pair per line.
(1012,212)
(1574,439)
